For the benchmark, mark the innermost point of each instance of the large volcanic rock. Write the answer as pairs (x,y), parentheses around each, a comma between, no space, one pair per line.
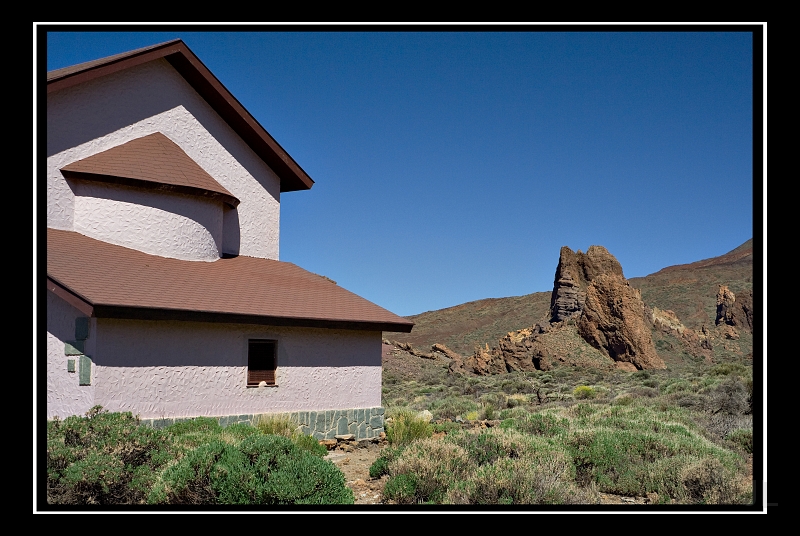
(611,316)
(735,310)
(613,321)
(574,273)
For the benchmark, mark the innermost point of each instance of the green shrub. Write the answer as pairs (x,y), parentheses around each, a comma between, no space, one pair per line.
(282,426)
(401,488)
(644,392)
(196,426)
(448,427)
(542,424)
(513,413)
(727,369)
(677,386)
(708,481)
(483,448)
(623,400)
(529,480)
(636,450)
(508,424)
(451,407)
(103,458)
(494,466)
(406,427)
(432,465)
(731,396)
(261,469)
(582,411)
(380,466)
(742,439)
(584,392)
(197,431)
(309,444)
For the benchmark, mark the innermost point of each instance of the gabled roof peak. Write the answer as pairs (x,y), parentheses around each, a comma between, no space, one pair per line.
(189,66)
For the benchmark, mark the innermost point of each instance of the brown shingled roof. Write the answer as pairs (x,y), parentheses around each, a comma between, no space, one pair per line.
(151,161)
(292,176)
(111,281)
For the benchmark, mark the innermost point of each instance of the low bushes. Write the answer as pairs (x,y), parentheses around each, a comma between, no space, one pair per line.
(452,407)
(261,469)
(103,458)
(110,458)
(741,439)
(543,424)
(583,392)
(565,455)
(492,467)
(282,426)
(636,450)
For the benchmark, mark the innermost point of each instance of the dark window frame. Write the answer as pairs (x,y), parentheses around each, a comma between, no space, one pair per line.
(261,366)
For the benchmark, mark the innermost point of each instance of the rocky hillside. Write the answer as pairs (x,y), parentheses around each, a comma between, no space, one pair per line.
(470,325)
(595,317)
(690,290)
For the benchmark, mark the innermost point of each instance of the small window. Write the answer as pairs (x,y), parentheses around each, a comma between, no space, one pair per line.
(261,362)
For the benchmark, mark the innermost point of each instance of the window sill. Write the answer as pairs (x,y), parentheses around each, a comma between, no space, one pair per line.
(258,386)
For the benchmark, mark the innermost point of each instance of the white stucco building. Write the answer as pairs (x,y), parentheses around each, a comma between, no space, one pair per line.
(165,295)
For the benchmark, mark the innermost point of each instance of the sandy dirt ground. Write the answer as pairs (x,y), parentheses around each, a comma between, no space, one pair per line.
(355,462)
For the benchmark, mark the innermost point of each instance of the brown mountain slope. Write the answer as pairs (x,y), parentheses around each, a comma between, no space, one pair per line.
(471,324)
(689,290)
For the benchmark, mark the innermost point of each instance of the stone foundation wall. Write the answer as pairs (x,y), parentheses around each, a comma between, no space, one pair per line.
(364,423)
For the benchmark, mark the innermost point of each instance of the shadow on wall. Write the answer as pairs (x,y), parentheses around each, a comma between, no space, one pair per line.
(171,343)
(231,236)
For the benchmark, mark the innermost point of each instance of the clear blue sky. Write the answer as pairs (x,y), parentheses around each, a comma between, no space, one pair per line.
(452,166)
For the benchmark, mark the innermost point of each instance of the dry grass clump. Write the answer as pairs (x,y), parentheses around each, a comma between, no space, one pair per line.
(407,426)
(276,425)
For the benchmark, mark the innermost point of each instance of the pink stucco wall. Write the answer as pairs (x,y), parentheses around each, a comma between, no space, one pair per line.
(64,396)
(169,369)
(155,222)
(100,114)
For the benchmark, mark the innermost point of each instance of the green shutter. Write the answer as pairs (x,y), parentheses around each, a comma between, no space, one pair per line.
(84,370)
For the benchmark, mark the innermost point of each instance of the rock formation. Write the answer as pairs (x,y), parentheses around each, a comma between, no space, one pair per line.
(735,310)
(442,349)
(613,321)
(589,289)
(517,351)
(574,273)
(696,343)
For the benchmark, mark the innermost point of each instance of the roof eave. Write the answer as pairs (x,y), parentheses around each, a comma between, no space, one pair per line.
(148,313)
(124,312)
